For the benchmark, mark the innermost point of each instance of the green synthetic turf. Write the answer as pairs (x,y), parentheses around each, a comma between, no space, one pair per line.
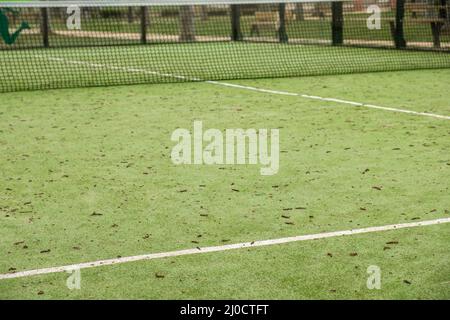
(322,269)
(86,174)
(73,67)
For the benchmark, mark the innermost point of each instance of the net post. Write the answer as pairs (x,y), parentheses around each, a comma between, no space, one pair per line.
(337,23)
(399,37)
(144,23)
(45,27)
(236,34)
(282,34)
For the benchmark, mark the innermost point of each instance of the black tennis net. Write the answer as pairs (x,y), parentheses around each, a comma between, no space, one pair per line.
(61,44)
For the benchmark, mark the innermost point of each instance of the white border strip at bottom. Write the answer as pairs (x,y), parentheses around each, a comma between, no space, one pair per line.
(260,243)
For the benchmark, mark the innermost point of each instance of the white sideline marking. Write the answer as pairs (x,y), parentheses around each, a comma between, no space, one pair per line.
(357,104)
(259,243)
(238,86)
(232,85)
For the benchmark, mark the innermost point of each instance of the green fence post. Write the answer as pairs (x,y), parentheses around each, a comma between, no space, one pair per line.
(399,36)
(144,25)
(282,34)
(337,23)
(236,34)
(45,27)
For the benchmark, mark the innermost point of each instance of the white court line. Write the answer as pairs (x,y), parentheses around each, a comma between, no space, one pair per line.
(357,104)
(259,243)
(238,86)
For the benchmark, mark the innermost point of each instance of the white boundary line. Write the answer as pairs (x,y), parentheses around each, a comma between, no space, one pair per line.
(260,243)
(353,103)
(238,86)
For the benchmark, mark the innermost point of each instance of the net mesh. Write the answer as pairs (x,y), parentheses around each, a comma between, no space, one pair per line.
(76,44)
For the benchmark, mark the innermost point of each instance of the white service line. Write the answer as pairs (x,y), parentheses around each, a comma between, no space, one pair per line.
(365,105)
(259,243)
(353,103)
(116,68)
(238,86)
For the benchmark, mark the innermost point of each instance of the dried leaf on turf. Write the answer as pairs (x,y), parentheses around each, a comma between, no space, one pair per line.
(392,242)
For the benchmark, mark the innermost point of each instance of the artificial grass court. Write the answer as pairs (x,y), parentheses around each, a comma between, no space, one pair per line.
(87,175)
